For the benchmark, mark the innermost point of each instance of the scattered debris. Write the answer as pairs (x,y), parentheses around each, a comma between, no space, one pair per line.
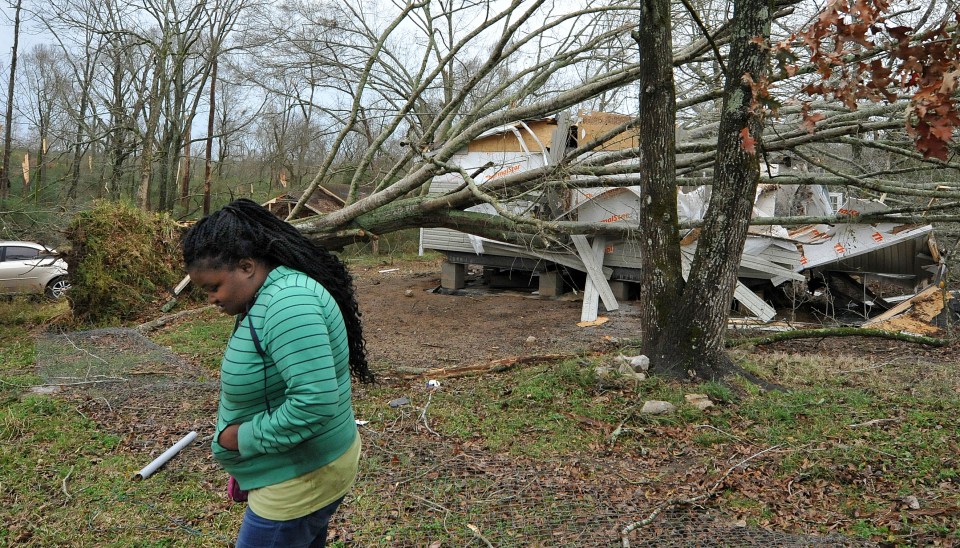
(155,465)
(700,401)
(911,502)
(399,402)
(638,363)
(872,422)
(629,373)
(494,366)
(599,321)
(917,314)
(831,264)
(657,407)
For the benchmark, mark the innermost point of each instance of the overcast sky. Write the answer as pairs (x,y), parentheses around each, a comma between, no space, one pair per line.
(6,35)
(28,37)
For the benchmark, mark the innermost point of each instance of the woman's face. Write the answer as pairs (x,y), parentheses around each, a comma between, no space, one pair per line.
(232,289)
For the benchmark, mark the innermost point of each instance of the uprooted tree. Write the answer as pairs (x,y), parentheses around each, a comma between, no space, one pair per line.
(453,91)
(440,105)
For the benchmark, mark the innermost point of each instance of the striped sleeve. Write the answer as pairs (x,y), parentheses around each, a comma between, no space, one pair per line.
(297,337)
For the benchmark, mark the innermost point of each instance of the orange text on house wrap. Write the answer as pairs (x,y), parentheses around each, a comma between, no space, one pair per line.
(504,171)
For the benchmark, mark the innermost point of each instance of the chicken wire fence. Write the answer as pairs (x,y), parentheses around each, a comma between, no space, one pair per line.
(117,366)
(439,493)
(473,498)
(129,384)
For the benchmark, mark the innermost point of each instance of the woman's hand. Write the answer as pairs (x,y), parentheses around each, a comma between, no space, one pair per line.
(228,438)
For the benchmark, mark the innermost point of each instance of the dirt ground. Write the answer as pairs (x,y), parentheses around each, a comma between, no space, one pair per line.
(410,326)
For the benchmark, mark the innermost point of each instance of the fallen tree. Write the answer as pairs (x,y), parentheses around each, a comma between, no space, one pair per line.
(836,332)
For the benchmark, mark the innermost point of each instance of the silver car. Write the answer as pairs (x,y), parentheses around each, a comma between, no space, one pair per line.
(27,267)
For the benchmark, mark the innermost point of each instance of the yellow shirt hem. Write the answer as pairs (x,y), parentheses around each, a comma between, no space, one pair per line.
(310,492)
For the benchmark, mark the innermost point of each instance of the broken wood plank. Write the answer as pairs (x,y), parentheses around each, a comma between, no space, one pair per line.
(180,286)
(592,257)
(743,294)
(565,259)
(902,307)
(591,292)
(593,262)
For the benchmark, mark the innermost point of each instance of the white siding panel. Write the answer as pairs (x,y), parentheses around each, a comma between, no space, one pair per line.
(444,239)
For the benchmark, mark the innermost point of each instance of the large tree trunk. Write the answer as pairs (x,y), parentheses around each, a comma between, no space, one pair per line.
(661,281)
(79,147)
(8,119)
(208,167)
(684,332)
(149,136)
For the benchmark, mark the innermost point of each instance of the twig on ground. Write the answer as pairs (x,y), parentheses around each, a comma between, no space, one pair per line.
(100,380)
(496,366)
(612,438)
(63,484)
(78,383)
(710,426)
(87,352)
(423,415)
(429,503)
(871,368)
(422,474)
(872,422)
(838,332)
(476,532)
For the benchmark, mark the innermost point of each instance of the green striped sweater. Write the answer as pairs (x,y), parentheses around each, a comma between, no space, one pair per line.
(294,405)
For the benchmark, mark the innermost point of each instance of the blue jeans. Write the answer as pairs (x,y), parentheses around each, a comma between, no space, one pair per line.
(310,531)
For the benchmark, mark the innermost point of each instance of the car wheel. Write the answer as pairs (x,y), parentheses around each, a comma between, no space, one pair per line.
(57,287)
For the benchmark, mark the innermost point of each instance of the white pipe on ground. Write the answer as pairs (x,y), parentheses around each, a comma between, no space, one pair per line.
(149,469)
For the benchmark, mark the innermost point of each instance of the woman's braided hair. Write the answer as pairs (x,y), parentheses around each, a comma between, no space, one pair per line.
(244,229)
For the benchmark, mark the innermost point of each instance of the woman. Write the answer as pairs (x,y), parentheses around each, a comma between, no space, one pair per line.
(285,425)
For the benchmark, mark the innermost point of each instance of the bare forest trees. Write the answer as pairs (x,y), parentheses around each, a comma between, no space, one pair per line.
(139,74)
(382,96)
(46,83)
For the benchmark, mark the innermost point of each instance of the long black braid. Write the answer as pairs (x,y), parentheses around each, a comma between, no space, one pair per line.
(244,229)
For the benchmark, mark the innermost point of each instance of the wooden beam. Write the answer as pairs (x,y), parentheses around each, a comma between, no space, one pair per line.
(596,286)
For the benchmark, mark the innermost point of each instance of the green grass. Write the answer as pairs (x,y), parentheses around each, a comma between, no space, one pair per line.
(844,441)
(64,481)
(73,489)
(202,338)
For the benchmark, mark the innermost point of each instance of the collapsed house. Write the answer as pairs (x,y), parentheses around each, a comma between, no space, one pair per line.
(325,200)
(802,263)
